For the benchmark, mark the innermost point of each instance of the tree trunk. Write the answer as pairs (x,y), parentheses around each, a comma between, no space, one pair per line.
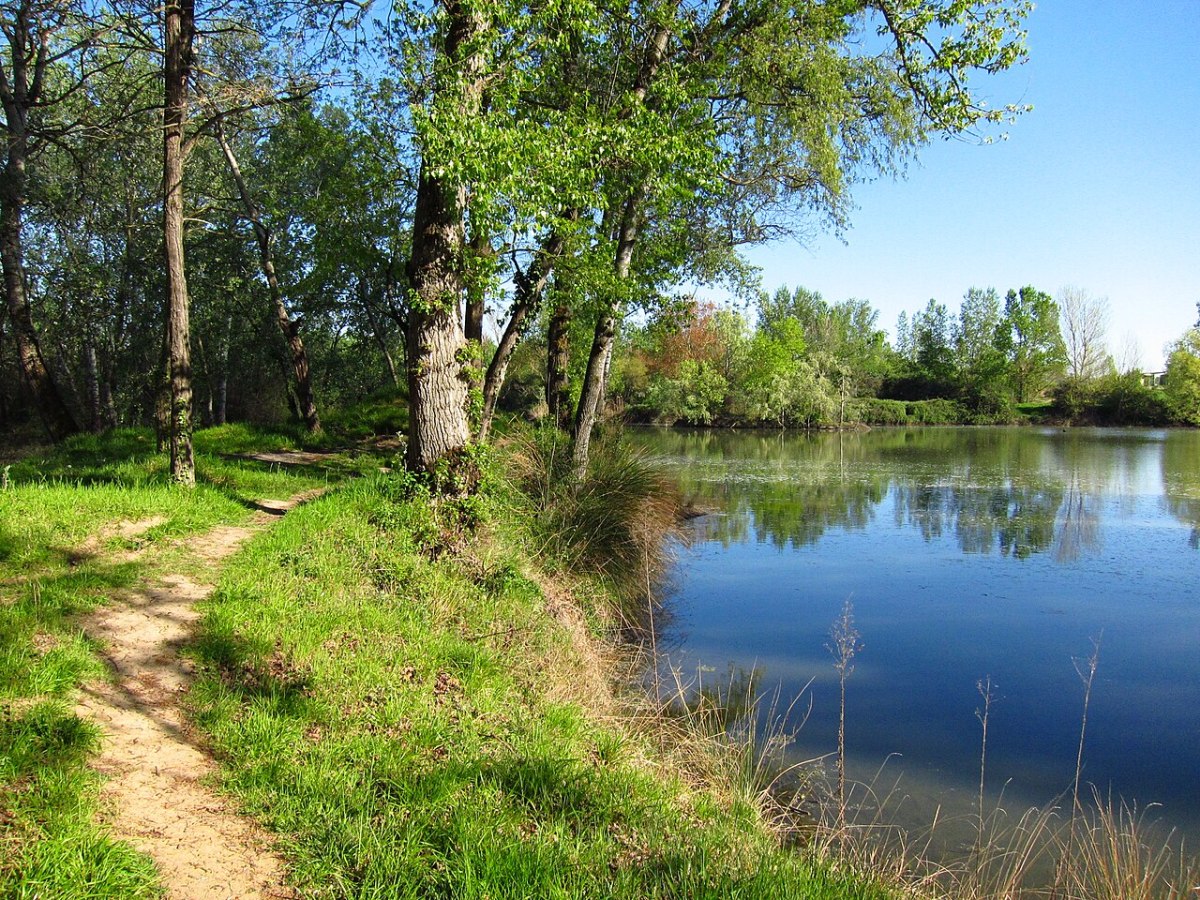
(606,328)
(162,399)
(91,377)
(178,32)
(627,234)
(220,386)
(438,380)
(476,286)
(377,332)
(529,288)
(20,92)
(558,362)
(593,387)
(287,326)
(47,399)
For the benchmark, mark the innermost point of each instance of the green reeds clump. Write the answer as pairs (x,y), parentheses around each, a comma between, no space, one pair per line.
(614,523)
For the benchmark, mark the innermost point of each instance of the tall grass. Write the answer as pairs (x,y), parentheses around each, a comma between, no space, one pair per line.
(613,523)
(1098,849)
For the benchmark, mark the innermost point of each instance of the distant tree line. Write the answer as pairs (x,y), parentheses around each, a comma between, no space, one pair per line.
(797,360)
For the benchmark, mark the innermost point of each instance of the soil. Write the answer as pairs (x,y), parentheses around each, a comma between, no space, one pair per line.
(156,794)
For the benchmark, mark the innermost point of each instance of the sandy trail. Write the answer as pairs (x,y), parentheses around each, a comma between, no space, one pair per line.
(155,766)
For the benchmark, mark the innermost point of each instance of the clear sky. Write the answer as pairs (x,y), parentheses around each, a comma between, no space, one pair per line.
(1097,187)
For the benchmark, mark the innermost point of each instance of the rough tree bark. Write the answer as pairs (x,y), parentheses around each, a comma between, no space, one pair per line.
(22,78)
(178,31)
(438,376)
(301,376)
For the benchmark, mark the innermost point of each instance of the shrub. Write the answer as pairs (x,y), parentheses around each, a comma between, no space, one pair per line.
(613,523)
(937,412)
(874,411)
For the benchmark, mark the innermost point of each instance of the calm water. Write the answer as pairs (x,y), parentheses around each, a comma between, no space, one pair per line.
(966,553)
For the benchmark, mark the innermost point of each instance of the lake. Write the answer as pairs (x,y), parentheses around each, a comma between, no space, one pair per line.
(966,553)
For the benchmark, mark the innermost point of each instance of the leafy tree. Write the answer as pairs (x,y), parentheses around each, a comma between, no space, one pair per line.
(981,364)
(801,109)
(695,393)
(1029,336)
(44,60)
(933,350)
(779,385)
(1182,379)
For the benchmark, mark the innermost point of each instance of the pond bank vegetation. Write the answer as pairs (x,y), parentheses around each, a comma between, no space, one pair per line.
(432,697)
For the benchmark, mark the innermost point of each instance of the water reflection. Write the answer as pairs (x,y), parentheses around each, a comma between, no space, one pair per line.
(1010,492)
(1181,480)
(968,553)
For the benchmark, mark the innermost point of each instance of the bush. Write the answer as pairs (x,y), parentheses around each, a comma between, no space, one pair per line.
(612,524)
(1111,400)
(938,412)
(873,411)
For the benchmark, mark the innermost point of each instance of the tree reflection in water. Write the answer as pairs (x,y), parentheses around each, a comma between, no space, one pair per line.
(1181,480)
(1011,491)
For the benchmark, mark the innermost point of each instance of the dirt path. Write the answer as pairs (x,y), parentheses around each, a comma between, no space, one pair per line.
(155,795)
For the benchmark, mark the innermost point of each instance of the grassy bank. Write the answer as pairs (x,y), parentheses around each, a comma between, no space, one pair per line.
(407,702)
(426,724)
(78,526)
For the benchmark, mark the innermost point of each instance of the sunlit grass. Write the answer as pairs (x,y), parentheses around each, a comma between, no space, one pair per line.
(390,714)
(78,525)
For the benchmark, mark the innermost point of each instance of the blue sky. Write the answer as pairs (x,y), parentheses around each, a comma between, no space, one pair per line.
(1097,187)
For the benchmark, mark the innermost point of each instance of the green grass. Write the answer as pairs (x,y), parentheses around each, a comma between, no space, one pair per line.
(60,557)
(1035,411)
(395,716)
(411,722)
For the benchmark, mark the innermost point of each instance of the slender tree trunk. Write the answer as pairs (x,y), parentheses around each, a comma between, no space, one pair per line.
(589,398)
(162,398)
(529,288)
(108,406)
(206,362)
(476,298)
(302,378)
(602,341)
(221,385)
(178,32)
(377,332)
(558,362)
(92,379)
(4,398)
(627,235)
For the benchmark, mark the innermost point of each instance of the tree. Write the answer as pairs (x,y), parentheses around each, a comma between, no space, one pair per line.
(1182,379)
(1030,337)
(265,239)
(932,348)
(178,34)
(982,366)
(783,111)
(1084,327)
(40,35)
